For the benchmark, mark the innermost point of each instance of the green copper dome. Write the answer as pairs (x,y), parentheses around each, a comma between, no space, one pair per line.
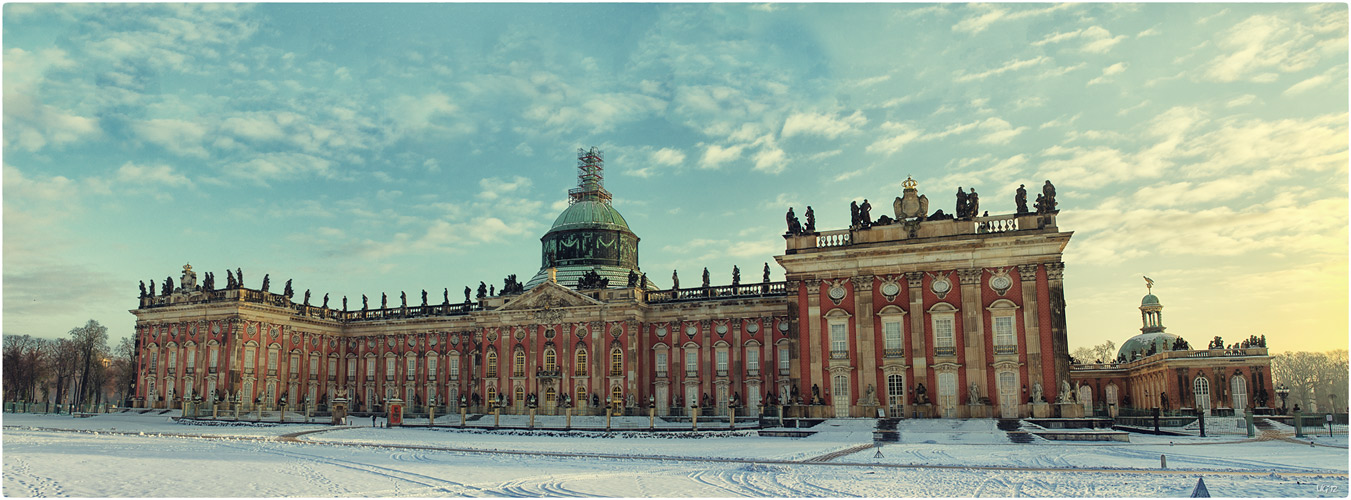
(1160,340)
(1149,300)
(588,214)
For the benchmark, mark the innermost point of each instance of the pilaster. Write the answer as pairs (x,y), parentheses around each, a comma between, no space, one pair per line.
(813,322)
(1055,272)
(918,332)
(866,353)
(973,331)
(1027,273)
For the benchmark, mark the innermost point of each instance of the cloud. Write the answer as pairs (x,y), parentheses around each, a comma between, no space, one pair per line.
(281,166)
(492,188)
(1261,46)
(181,137)
(1097,40)
(1308,84)
(769,159)
(1108,71)
(898,136)
(668,156)
(823,125)
(1012,65)
(714,155)
(987,15)
(151,175)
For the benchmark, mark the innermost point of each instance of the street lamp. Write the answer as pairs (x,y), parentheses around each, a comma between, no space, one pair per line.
(1283,391)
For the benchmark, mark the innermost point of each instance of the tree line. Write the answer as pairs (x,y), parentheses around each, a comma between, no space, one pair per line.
(74,371)
(1317,380)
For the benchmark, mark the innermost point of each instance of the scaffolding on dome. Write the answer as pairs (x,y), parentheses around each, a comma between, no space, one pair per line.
(590,177)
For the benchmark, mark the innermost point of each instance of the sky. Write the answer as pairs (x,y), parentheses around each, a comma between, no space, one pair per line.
(365,148)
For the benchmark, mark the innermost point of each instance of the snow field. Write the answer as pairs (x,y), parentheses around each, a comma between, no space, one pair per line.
(249,462)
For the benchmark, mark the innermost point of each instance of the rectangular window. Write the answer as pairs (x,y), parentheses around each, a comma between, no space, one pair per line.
(943,338)
(839,345)
(295,364)
(783,360)
(722,362)
(661,363)
(389,368)
(1004,340)
(454,367)
(214,357)
(410,367)
(891,334)
(250,358)
(431,367)
(192,358)
(753,360)
(173,358)
(154,360)
(271,360)
(691,362)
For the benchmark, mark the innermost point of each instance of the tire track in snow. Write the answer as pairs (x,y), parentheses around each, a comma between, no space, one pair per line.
(429,482)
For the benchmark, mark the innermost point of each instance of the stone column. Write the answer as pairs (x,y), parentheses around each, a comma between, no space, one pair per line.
(1060,346)
(813,344)
(866,341)
(973,332)
(1027,273)
(919,360)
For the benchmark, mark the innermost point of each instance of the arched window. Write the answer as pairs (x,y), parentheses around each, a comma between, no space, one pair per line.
(581,396)
(616,394)
(616,362)
(518,363)
(549,395)
(520,395)
(1201,394)
(492,363)
(896,394)
(1238,389)
(579,368)
(492,395)
(550,359)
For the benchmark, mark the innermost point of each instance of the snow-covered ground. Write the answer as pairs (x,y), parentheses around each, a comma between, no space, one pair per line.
(133,455)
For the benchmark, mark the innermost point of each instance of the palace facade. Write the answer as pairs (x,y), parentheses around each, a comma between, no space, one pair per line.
(1156,369)
(920,314)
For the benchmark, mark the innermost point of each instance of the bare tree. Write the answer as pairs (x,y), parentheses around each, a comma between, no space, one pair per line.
(91,341)
(25,366)
(1104,352)
(64,357)
(1312,377)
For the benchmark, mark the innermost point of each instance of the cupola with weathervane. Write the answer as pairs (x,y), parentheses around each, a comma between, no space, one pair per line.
(590,235)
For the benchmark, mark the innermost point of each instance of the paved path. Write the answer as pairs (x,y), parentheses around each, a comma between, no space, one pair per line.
(295,437)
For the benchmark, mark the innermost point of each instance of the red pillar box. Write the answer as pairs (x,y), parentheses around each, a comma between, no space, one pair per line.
(395,412)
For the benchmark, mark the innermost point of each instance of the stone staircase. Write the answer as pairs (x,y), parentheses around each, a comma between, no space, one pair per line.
(1013,428)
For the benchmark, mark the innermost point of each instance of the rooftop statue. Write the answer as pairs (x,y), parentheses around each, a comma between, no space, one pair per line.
(853,214)
(307,298)
(766,279)
(961,203)
(811,220)
(424,297)
(736,276)
(675,278)
(865,214)
(325,306)
(384,300)
(705,277)
(1020,199)
(972,204)
(1047,198)
(403,299)
(794,226)
(265,282)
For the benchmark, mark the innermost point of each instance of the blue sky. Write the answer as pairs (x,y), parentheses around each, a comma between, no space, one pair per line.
(363,148)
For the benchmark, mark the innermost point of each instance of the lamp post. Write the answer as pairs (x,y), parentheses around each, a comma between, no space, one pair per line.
(1283,391)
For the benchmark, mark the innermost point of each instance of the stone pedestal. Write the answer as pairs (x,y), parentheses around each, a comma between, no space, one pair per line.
(462,417)
(339,410)
(532,418)
(1069,410)
(1041,410)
